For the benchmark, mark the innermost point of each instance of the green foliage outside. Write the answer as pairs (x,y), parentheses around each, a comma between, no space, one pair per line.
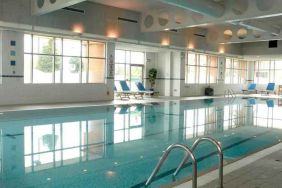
(45,63)
(152,76)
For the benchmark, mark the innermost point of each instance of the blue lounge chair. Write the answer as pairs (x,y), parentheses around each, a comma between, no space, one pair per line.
(269,89)
(127,92)
(251,88)
(270,103)
(141,88)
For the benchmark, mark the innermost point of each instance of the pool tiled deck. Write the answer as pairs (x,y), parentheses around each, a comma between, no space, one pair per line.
(263,173)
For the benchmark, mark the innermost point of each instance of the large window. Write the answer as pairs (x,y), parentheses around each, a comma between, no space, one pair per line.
(60,60)
(268,71)
(129,65)
(235,71)
(201,69)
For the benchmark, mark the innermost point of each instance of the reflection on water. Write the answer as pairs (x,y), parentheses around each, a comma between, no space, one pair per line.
(113,136)
(55,145)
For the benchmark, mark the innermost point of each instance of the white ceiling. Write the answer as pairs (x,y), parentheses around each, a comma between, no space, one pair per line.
(135,5)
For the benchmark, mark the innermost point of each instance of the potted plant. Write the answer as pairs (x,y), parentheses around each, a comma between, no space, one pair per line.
(152,77)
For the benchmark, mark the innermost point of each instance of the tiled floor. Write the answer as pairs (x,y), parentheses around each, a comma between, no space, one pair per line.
(263,173)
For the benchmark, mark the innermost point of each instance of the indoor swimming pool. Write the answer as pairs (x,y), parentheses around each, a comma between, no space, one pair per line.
(119,146)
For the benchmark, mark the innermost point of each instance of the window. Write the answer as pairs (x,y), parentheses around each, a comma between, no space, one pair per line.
(268,71)
(201,69)
(129,65)
(235,71)
(60,60)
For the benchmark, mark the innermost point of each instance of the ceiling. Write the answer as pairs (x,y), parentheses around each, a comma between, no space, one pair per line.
(255,20)
(134,5)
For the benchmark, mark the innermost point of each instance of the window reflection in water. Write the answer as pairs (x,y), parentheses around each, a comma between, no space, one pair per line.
(234,116)
(203,121)
(128,123)
(199,121)
(267,116)
(54,145)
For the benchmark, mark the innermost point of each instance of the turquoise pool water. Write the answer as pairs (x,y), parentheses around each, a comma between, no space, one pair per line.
(118,146)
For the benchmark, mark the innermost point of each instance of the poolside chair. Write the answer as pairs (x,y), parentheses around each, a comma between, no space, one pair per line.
(251,88)
(127,92)
(121,94)
(141,88)
(269,89)
(270,103)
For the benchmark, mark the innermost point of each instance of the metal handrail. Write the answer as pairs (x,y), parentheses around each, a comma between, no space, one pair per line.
(229,92)
(164,157)
(220,153)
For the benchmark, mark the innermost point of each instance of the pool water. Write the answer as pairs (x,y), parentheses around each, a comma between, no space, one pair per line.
(119,146)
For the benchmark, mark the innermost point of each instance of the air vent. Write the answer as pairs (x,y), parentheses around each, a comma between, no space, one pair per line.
(74,10)
(199,35)
(127,20)
(273,44)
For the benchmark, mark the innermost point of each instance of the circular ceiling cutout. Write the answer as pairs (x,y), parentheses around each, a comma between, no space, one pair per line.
(148,21)
(239,7)
(257,34)
(227,34)
(265,5)
(40,3)
(242,33)
(163,18)
(178,19)
(53,1)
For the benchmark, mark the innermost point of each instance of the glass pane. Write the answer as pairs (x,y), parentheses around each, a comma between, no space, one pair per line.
(213,61)
(228,76)
(120,56)
(278,65)
(43,66)
(71,47)
(191,59)
(27,43)
(203,60)
(58,46)
(137,58)
(96,49)
(128,55)
(96,71)
(203,75)
(235,76)
(228,64)
(84,70)
(84,48)
(136,74)
(119,71)
(213,75)
(191,74)
(278,77)
(264,65)
(58,69)
(43,45)
(127,72)
(235,64)
(27,68)
(71,69)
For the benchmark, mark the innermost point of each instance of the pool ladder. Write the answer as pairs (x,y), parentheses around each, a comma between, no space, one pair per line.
(229,93)
(189,154)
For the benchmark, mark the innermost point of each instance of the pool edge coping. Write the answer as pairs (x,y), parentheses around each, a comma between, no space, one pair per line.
(213,175)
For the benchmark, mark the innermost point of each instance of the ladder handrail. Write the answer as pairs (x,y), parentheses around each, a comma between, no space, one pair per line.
(229,92)
(220,154)
(164,157)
